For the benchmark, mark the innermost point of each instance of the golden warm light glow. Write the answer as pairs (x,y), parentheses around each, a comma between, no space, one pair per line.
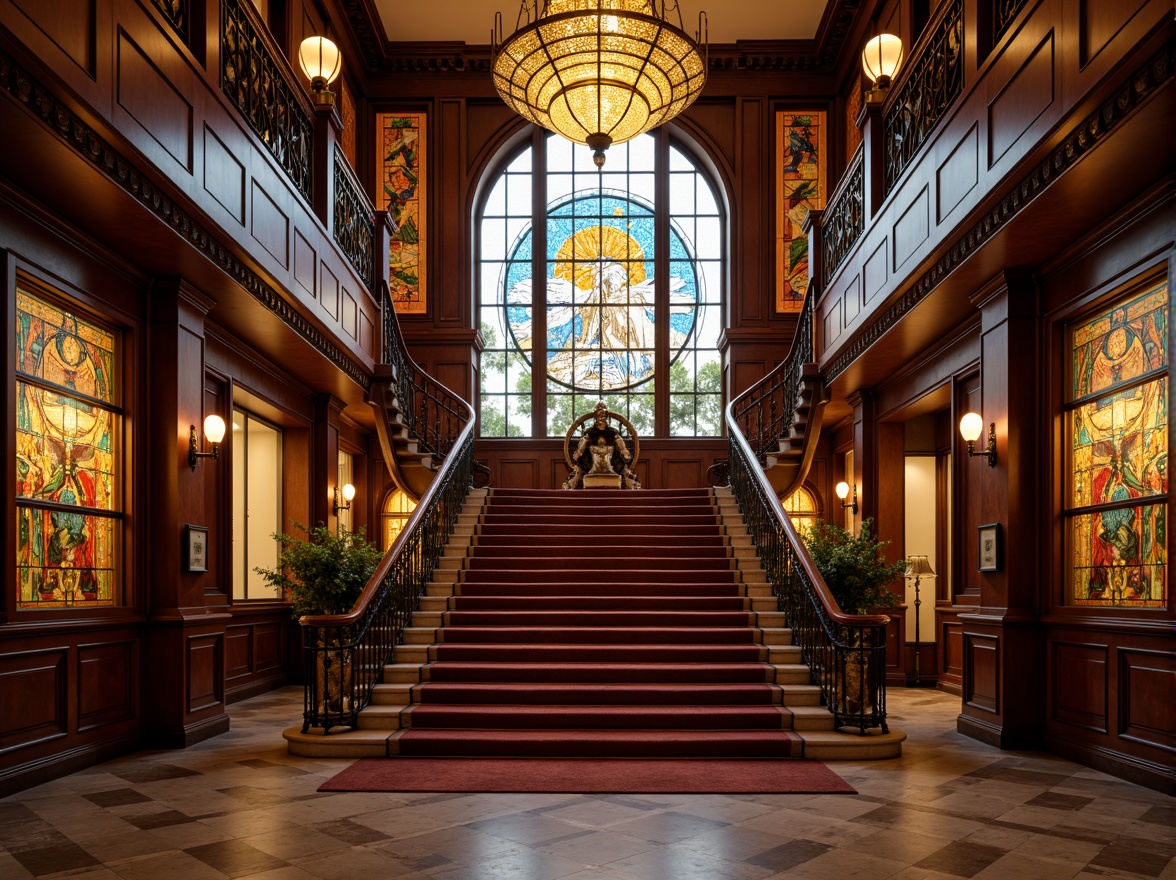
(599,72)
(321,61)
(881,58)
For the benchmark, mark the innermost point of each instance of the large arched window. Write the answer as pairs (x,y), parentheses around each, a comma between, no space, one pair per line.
(629,309)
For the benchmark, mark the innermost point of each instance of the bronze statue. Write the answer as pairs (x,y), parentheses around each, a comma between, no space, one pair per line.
(601,458)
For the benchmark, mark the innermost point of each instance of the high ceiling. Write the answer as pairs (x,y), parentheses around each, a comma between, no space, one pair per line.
(728,21)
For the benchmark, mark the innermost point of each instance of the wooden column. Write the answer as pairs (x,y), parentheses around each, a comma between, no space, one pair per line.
(324,460)
(183,696)
(1003,642)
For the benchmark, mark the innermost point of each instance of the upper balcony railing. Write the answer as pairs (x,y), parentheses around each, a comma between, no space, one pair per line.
(843,221)
(261,88)
(354,226)
(930,83)
(178,15)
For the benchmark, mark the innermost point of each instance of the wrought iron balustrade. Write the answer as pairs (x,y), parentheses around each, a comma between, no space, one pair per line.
(354,226)
(1003,13)
(176,13)
(345,654)
(844,220)
(256,83)
(432,413)
(930,83)
(846,653)
(766,411)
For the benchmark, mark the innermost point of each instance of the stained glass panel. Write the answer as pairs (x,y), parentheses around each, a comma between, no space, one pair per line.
(1118,455)
(800,186)
(400,145)
(67,431)
(1121,344)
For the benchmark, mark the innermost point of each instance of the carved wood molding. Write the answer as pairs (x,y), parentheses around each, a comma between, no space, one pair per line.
(90,145)
(822,53)
(1136,89)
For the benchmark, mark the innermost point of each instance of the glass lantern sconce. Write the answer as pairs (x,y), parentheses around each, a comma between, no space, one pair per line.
(842,490)
(348,494)
(880,60)
(971,426)
(214,432)
(321,61)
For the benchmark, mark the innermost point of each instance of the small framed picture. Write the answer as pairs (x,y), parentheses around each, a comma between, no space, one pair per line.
(196,548)
(990,549)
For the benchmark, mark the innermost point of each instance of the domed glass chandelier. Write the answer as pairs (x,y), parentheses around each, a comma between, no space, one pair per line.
(599,72)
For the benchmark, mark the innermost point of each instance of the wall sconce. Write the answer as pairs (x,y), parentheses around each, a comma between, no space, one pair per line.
(918,567)
(880,60)
(321,61)
(348,494)
(842,490)
(970,427)
(214,432)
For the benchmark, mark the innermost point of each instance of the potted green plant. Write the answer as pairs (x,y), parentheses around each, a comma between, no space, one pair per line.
(853,566)
(857,574)
(325,573)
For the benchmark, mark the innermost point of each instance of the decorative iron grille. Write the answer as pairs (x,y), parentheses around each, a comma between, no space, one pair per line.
(766,411)
(843,221)
(846,653)
(256,84)
(354,228)
(345,654)
(433,414)
(934,79)
(1003,13)
(176,13)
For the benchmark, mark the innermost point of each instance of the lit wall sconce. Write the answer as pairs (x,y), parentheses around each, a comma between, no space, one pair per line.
(321,61)
(348,495)
(214,432)
(842,490)
(970,427)
(880,60)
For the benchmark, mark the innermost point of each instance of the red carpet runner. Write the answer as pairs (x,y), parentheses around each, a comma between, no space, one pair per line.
(594,623)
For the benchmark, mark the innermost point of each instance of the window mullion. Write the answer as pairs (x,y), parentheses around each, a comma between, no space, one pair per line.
(539,284)
(661,275)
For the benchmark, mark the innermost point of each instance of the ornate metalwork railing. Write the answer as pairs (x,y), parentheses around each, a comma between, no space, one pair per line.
(767,410)
(1003,13)
(933,79)
(844,220)
(431,412)
(345,654)
(256,83)
(176,13)
(845,652)
(354,226)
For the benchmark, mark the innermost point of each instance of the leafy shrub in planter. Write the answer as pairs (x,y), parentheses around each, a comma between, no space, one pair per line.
(853,566)
(323,573)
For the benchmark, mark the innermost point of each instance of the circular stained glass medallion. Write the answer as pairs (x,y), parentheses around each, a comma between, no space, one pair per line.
(600,292)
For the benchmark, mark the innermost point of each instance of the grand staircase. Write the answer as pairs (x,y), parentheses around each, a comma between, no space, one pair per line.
(597,623)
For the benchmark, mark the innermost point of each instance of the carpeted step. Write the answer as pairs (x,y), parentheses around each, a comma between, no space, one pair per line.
(589,653)
(615,604)
(683,560)
(588,532)
(577,541)
(524,554)
(615,521)
(489,587)
(572,575)
(597,743)
(597,619)
(610,717)
(647,635)
(620,672)
(596,693)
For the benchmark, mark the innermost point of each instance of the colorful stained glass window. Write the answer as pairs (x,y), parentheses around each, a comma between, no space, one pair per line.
(1118,454)
(608,317)
(68,423)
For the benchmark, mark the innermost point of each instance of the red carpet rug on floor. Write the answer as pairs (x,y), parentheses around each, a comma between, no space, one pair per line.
(589,776)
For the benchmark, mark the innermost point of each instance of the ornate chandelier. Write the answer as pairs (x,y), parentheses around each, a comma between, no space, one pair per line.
(599,72)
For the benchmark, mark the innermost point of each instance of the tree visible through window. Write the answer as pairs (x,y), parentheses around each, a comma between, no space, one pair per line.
(1117,416)
(615,317)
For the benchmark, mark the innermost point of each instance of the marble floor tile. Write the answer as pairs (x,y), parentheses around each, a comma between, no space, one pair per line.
(239,805)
